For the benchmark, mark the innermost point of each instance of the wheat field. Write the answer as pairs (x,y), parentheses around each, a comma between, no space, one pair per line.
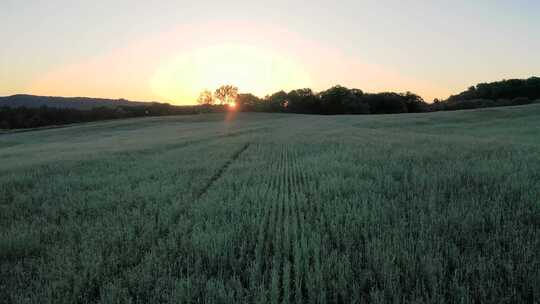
(274,208)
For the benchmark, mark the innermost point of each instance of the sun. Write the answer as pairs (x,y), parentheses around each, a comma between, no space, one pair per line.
(252,69)
(232,105)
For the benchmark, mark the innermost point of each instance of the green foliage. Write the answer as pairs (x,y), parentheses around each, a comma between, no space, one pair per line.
(505,89)
(510,92)
(423,208)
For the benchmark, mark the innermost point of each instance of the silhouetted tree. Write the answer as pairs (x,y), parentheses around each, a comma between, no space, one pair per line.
(226,94)
(277,102)
(249,102)
(205,98)
(495,94)
(505,89)
(340,100)
(414,103)
(386,103)
(303,101)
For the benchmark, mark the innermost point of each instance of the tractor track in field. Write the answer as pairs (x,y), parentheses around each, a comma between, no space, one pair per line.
(221,170)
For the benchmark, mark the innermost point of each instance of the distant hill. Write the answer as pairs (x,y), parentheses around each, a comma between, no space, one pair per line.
(28,111)
(80,103)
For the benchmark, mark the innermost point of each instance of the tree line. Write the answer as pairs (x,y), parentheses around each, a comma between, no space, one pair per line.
(342,100)
(26,117)
(334,101)
(509,92)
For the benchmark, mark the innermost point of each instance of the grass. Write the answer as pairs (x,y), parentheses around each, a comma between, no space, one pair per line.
(271,208)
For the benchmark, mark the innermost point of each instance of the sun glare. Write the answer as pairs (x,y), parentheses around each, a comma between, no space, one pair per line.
(251,69)
(232,105)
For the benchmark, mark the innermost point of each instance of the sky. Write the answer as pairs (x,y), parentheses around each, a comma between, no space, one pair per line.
(169,51)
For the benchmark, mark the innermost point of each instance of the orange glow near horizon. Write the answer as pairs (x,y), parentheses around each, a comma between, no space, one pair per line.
(252,69)
(176,65)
